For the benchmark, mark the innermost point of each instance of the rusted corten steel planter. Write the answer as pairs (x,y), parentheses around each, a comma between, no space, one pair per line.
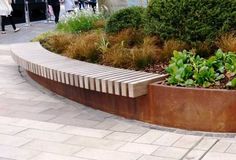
(193,108)
(186,108)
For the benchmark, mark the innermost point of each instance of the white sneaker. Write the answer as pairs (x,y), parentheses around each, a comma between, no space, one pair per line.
(17,29)
(3,32)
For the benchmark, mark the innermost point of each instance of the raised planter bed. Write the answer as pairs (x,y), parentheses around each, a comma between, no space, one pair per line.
(193,108)
(129,93)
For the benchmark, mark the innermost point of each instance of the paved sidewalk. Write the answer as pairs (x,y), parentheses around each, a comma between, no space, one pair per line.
(36,124)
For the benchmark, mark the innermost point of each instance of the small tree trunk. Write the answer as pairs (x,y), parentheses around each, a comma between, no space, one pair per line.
(113,5)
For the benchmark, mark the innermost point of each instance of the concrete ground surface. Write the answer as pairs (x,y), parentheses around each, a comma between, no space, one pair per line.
(36,124)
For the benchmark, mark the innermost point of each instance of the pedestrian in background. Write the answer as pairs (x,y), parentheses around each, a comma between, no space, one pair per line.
(81,4)
(6,13)
(56,8)
(93,3)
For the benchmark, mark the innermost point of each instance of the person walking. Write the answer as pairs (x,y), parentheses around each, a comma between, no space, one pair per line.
(56,8)
(93,3)
(81,4)
(69,5)
(6,13)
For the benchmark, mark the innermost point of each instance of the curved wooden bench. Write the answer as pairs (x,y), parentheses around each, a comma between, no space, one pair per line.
(34,58)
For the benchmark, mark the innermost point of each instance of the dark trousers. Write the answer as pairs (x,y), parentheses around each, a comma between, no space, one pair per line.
(4,20)
(93,6)
(81,4)
(56,11)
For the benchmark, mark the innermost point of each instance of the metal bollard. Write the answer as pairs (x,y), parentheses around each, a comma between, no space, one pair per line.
(27,18)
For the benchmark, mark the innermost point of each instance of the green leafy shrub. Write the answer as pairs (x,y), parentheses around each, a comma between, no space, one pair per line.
(132,17)
(77,23)
(190,20)
(187,69)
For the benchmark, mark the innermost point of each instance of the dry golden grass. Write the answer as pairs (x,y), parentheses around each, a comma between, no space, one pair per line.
(84,47)
(127,37)
(118,56)
(227,42)
(100,24)
(59,42)
(137,57)
(146,53)
(170,46)
(204,49)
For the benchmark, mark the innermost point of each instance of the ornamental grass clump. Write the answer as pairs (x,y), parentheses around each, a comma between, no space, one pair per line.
(85,47)
(227,42)
(169,47)
(59,42)
(118,56)
(128,37)
(145,54)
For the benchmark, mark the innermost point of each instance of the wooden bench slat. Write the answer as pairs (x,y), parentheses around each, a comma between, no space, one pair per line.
(33,58)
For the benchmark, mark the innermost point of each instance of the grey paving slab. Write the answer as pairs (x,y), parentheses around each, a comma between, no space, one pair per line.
(13,141)
(187,141)
(138,148)
(52,147)
(123,136)
(81,131)
(148,157)
(194,155)
(100,154)
(95,142)
(219,156)
(16,153)
(50,156)
(168,139)
(44,135)
(170,152)
(150,136)
(221,147)
(10,129)
(26,33)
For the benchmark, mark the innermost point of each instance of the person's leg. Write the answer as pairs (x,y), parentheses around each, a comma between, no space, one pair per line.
(56,11)
(12,22)
(82,3)
(94,7)
(3,23)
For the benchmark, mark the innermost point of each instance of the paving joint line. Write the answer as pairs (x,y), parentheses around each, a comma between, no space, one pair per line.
(209,149)
(198,142)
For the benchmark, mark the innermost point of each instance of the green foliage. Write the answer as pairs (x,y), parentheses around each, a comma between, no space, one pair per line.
(190,20)
(187,69)
(43,36)
(77,23)
(132,17)
(232,83)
